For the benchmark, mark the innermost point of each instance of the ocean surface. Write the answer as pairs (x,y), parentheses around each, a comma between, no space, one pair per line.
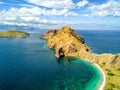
(102,41)
(28,64)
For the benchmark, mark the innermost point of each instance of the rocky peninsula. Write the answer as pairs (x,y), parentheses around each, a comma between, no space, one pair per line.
(14,34)
(66,42)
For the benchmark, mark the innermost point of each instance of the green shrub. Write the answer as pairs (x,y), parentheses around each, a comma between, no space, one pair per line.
(110,88)
(107,70)
(110,74)
(118,69)
(103,63)
(113,85)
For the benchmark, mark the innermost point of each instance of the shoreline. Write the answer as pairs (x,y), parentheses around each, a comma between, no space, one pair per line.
(73,45)
(103,82)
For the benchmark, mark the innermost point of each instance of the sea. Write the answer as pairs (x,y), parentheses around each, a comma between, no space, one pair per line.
(28,64)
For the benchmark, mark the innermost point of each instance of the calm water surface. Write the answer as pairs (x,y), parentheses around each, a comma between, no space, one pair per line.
(28,64)
(102,41)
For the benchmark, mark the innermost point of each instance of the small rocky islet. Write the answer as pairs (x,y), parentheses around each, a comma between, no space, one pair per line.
(66,42)
(14,34)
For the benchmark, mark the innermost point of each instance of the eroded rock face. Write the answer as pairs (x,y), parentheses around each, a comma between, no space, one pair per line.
(59,53)
(66,42)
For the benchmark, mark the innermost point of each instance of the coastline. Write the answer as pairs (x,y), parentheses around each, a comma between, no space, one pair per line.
(103,83)
(72,44)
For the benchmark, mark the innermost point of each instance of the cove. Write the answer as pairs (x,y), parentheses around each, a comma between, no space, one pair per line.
(28,64)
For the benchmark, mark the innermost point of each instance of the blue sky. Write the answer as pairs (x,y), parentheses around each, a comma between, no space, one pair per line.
(79,14)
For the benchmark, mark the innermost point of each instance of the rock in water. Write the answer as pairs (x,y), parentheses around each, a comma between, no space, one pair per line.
(65,42)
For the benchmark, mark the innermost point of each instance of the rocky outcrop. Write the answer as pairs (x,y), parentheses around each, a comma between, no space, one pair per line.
(66,42)
(14,34)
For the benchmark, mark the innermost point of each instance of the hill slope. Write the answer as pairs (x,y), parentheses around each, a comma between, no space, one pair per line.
(66,42)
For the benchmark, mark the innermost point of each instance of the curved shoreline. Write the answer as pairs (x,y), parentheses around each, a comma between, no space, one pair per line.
(73,45)
(103,82)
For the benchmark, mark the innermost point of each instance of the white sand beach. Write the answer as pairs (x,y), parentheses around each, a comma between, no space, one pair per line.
(103,81)
(101,87)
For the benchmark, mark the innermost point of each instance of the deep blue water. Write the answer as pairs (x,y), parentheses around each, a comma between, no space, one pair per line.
(28,64)
(102,41)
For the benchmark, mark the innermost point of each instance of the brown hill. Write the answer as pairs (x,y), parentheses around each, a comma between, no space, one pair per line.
(66,42)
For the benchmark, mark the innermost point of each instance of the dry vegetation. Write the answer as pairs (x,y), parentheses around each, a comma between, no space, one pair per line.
(13,34)
(66,42)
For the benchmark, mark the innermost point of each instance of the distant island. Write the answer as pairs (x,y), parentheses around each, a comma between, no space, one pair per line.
(14,34)
(66,42)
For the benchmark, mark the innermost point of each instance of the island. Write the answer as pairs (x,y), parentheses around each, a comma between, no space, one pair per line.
(66,42)
(14,34)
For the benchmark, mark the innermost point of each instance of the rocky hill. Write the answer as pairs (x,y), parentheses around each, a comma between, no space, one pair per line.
(66,42)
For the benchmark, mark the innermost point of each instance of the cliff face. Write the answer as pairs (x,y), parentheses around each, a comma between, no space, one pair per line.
(14,34)
(66,42)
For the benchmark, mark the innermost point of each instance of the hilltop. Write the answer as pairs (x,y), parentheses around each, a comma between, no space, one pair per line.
(66,42)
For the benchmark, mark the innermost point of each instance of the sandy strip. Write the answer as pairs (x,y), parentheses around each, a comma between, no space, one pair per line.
(102,85)
(103,82)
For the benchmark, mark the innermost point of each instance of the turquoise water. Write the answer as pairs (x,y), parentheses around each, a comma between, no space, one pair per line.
(28,64)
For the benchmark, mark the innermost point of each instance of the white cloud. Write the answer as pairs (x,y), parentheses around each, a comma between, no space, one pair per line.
(1,2)
(53,3)
(23,16)
(71,14)
(55,12)
(26,5)
(29,16)
(82,3)
(111,8)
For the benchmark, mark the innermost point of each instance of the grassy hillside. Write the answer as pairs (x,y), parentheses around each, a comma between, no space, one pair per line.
(14,34)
